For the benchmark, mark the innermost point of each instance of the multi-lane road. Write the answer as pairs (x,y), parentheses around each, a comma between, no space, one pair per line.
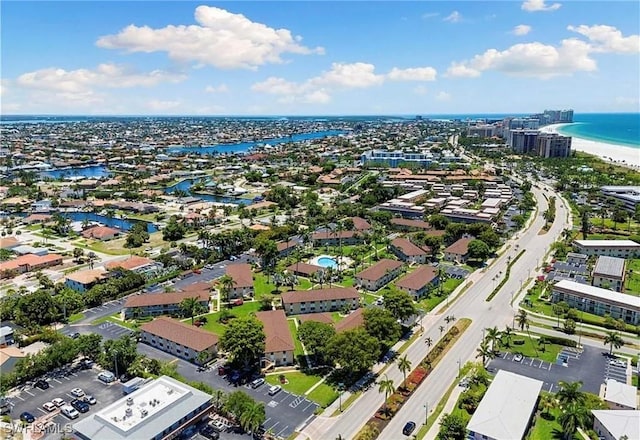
(499,312)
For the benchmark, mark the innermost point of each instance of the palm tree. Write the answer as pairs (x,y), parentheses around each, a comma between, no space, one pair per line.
(441,328)
(191,307)
(572,418)
(429,342)
(252,416)
(404,365)
(570,394)
(522,319)
(92,257)
(493,336)
(484,351)
(386,387)
(547,403)
(220,398)
(614,340)
(226,286)
(507,333)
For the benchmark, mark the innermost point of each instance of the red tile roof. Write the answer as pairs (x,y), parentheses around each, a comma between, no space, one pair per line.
(322,317)
(417,279)
(100,232)
(131,263)
(284,245)
(354,320)
(180,333)
(418,224)
(335,293)
(158,299)
(379,269)
(407,248)
(276,330)
(328,235)
(360,224)
(460,247)
(304,268)
(241,274)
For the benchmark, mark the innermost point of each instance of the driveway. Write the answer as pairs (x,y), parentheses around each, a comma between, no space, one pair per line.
(285,411)
(588,367)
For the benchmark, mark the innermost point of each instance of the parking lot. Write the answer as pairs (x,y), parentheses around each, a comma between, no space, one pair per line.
(31,399)
(591,366)
(107,329)
(285,411)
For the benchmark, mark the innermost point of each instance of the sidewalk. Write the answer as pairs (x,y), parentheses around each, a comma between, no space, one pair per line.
(448,407)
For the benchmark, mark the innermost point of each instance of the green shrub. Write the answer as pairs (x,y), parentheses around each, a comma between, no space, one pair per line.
(518,342)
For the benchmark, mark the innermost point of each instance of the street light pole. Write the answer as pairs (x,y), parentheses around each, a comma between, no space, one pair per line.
(426,413)
(341,388)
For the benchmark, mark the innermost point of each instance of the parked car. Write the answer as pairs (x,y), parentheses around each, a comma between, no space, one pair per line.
(408,428)
(89,399)
(77,392)
(42,384)
(106,377)
(49,406)
(58,402)
(75,335)
(256,383)
(517,357)
(79,405)
(27,417)
(70,412)
(209,432)
(275,389)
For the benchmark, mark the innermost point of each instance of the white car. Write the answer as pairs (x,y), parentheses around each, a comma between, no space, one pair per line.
(70,412)
(77,392)
(49,406)
(58,402)
(517,357)
(275,389)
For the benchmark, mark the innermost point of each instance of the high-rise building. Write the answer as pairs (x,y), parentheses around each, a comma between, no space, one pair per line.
(557,116)
(522,141)
(553,145)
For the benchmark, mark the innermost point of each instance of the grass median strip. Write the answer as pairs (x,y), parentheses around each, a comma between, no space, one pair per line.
(506,276)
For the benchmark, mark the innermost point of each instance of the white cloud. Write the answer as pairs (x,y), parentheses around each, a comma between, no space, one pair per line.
(222,88)
(420,90)
(341,76)
(608,38)
(539,5)
(412,74)
(82,81)
(443,96)
(521,29)
(220,39)
(530,59)
(627,101)
(454,17)
(162,106)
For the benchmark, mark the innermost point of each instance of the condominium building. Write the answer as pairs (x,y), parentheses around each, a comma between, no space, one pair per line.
(616,425)
(629,196)
(553,145)
(609,273)
(242,280)
(180,339)
(417,282)
(613,248)
(409,252)
(320,300)
(278,345)
(154,304)
(395,158)
(377,276)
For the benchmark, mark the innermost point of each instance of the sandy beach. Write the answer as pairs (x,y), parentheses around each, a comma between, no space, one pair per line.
(617,154)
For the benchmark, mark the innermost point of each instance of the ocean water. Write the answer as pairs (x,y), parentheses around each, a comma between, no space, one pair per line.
(614,128)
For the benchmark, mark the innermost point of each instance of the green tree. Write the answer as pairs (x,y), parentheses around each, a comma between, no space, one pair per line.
(522,319)
(226,284)
(253,416)
(354,350)
(238,402)
(493,337)
(315,336)
(383,326)
(438,221)
(560,309)
(191,307)
(118,354)
(400,304)
(570,394)
(244,339)
(404,365)
(452,427)
(507,333)
(478,250)
(484,351)
(386,386)
(614,340)
(174,230)
(90,345)
(573,416)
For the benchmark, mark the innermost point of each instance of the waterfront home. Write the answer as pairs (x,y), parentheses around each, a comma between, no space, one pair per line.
(278,344)
(101,233)
(37,218)
(377,276)
(136,264)
(28,263)
(242,280)
(417,282)
(458,252)
(409,252)
(83,280)
(180,339)
(320,300)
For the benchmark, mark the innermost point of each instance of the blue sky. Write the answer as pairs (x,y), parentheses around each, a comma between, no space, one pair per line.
(319,58)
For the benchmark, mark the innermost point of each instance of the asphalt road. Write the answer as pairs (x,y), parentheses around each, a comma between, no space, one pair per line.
(472,304)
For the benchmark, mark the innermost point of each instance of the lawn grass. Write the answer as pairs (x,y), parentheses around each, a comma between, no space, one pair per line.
(324,395)
(76,317)
(450,285)
(304,284)
(368,298)
(528,349)
(242,311)
(262,285)
(298,351)
(116,247)
(298,383)
(544,429)
(632,284)
(431,302)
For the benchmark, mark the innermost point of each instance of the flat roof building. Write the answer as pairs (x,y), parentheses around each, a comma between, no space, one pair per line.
(619,395)
(615,425)
(159,409)
(609,272)
(505,411)
(612,248)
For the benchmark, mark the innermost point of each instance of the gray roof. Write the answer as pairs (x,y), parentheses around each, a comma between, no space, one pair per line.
(619,423)
(506,408)
(608,243)
(609,267)
(621,393)
(108,424)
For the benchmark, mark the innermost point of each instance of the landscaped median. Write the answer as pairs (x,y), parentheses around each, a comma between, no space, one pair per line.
(506,276)
(392,405)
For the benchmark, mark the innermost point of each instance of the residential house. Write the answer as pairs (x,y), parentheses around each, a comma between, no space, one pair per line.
(377,276)
(28,263)
(618,395)
(334,238)
(458,252)
(36,219)
(180,339)
(320,300)
(83,280)
(597,301)
(409,252)
(507,408)
(101,233)
(609,273)
(278,344)
(242,280)
(417,282)
(616,425)
(611,248)
(136,264)
(154,304)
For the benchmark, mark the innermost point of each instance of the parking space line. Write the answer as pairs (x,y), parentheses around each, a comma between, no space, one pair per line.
(276,424)
(307,407)
(57,380)
(282,430)
(26,391)
(20,398)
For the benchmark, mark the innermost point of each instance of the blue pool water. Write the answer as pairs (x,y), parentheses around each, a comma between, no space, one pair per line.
(327,262)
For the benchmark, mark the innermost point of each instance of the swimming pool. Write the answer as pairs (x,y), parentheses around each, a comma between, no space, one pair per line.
(325,261)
